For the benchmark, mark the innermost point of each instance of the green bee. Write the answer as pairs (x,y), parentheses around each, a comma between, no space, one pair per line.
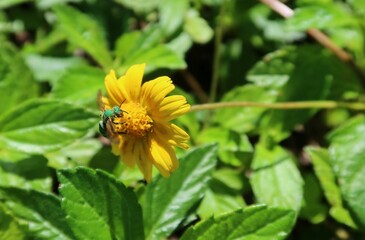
(108,115)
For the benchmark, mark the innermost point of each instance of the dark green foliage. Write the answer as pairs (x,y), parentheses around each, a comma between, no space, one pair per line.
(252,172)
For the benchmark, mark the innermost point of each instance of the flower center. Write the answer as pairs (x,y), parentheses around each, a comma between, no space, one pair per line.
(134,121)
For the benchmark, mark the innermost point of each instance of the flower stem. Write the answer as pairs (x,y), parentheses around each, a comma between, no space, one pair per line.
(282,105)
(217,53)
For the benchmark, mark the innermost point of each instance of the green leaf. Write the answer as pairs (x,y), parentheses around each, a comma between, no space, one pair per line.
(273,29)
(172,14)
(145,47)
(181,44)
(98,206)
(321,17)
(167,201)
(155,57)
(303,85)
(46,4)
(41,212)
(51,68)
(43,125)
(25,171)
(326,176)
(243,119)
(276,180)
(79,85)
(255,222)
(234,149)
(224,194)
(9,228)
(126,44)
(347,153)
(139,6)
(15,78)
(313,209)
(197,27)
(78,153)
(10,3)
(84,33)
(358,6)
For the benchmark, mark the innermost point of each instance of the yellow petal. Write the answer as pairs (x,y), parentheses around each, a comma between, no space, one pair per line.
(135,151)
(112,87)
(172,107)
(127,149)
(154,91)
(163,156)
(173,134)
(131,83)
(143,162)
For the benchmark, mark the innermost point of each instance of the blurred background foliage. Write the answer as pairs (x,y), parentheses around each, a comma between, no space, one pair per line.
(273,174)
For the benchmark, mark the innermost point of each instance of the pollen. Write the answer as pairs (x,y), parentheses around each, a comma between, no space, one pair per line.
(134,121)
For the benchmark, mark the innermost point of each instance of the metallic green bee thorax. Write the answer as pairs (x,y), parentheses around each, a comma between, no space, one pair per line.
(108,113)
(117,110)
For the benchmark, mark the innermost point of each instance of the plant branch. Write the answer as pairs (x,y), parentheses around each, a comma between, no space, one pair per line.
(319,36)
(281,105)
(217,53)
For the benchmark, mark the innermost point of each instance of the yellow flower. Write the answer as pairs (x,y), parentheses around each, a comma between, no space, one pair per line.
(143,134)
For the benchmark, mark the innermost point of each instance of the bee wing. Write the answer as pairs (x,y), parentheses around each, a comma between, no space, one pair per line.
(110,130)
(100,101)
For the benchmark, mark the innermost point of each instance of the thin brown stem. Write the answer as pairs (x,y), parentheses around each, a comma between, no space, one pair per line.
(319,36)
(195,86)
(282,105)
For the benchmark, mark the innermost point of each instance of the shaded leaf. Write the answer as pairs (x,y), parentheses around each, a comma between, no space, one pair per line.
(276,180)
(10,3)
(313,209)
(25,171)
(224,193)
(243,119)
(41,212)
(9,228)
(234,149)
(326,176)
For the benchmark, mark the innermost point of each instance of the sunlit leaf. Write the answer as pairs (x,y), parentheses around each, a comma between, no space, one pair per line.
(84,33)
(167,201)
(16,81)
(51,68)
(346,154)
(44,125)
(79,85)
(98,206)
(255,222)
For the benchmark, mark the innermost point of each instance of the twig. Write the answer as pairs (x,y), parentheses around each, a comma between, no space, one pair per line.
(195,86)
(319,36)
(282,105)
(217,53)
